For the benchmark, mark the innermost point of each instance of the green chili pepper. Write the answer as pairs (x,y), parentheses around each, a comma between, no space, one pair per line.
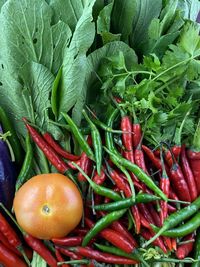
(177,217)
(141,175)
(183,230)
(105,127)
(111,146)
(197,250)
(108,135)
(13,139)
(96,141)
(127,202)
(100,190)
(27,164)
(79,137)
(135,255)
(102,224)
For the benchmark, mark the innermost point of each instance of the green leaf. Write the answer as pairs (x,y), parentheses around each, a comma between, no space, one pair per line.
(2,2)
(122,17)
(74,63)
(91,89)
(104,18)
(146,10)
(190,8)
(54,93)
(26,34)
(103,25)
(190,40)
(61,35)
(167,15)
(11,100)
(38,82)
(68,11)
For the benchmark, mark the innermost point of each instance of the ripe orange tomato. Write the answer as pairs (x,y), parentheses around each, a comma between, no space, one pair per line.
(48,206)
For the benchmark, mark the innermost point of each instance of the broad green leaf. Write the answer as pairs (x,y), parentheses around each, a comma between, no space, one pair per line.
(69,11)
(91,88)
(108,37)
(2,2)
(26,34)
(167,15)
(122,17)
(190,8)
(61,35)
(12,101)
(74,63)
(146,10)
(38,82)
(160,45)
(103,21)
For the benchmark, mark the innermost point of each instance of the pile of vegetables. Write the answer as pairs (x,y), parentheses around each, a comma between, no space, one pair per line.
(106,93)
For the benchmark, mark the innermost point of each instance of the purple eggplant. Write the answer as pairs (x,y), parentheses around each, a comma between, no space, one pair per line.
(7,175)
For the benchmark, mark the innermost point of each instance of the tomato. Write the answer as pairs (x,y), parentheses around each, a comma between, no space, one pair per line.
(48,206)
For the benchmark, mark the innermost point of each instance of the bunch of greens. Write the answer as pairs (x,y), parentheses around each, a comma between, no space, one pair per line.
(58,55)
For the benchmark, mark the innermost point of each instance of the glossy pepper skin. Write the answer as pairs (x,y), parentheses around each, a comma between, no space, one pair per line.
(7,175)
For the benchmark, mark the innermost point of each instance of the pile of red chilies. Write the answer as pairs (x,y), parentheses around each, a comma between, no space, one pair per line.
(104,221)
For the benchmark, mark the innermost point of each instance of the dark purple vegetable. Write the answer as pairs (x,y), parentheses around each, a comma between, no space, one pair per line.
(7,175)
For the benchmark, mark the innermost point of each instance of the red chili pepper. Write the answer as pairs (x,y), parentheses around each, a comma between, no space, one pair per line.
(155,161)
(147,213)
(189,177)
(70,254)
(118,240)
(194,160)
(146,234)
(9,258)
(174,244)
(80,231)
(154,214)
(176,151)
(126,127)
(102,256)
(69,163)
(68,241)
(50,140)
(172,194)
(113,237)
(99,179)
(60,258)
(171,209)
(52,156)
(123,186)
(184,250)
(144,222)
(117,226)
(139,159)
(6,243)
(85,166)
(9,233)
(38,246)
(137,134)
(178,181)
(165,187)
